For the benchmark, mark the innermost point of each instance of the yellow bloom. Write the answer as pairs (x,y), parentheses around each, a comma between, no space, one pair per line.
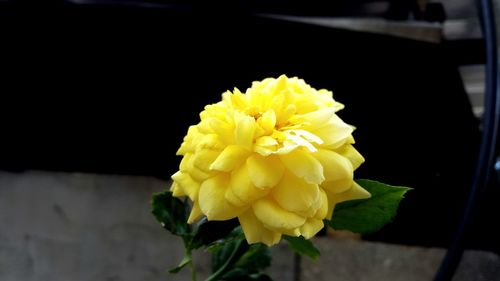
(277,157)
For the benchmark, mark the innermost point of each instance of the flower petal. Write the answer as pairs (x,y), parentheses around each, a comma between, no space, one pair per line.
(195,213)
(183,167)
(203,158)
(353,193)
(264,171)
(311,227)
(289,111)
(231,157)
(267,121)
(176,190)
(335,166)
(186,184)
(303,165)
(323,209)
(280,83)
(255,231)
(187,144)
(242,186)
(245,129)
(337,186)
(196,173)
(210,141)
(212,200)
(233,199)
(275,217)
(224,130)
(315,119)
(303,138)
(352,154)
(334,133)
(265,145)
(239,100)
(295,195)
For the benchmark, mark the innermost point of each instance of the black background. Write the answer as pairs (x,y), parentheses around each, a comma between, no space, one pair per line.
(113,89)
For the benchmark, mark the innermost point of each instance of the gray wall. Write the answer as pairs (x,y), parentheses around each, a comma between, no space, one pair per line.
(83,227)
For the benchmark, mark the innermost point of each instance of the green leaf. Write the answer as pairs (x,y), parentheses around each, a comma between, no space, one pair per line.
(172,213)
(257,258)
(211,231)
(185,261)
(302,246)
(368,215)
(233,259)
(230,248)
(253,261)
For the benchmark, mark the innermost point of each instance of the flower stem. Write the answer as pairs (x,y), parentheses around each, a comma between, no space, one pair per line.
(221,270)
(193,270)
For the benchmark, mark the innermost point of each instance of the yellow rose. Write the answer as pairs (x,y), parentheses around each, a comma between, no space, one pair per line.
(276,157)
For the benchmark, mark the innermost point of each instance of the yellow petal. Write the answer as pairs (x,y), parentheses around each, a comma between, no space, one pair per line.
(204,158)
(233,199)
(230,158)
(277,104)
(210,141)
(334,133)
(185,148)
(323,209)
(303,138)
(259,132)
(315,119)
(242,186)
(288,112)
(196,173)
(265,145)
(204,126)
(183,167)
(353,193)
(187,144)
(224,130)
(291,232)
(352,154)
(245,129)
(187,184)
(212,200)
(337,105)
(331,207)
(266,141)
(255,231)
(176,190)
(337,186)
(280,84)
(195,213)
(335,166)
(275,217)
(295,195)
(216,110)
(239,100)
(264,171)
(267,121)
(311,227)
(303,165)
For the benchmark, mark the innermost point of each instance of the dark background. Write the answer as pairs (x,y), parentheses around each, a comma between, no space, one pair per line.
(113,89)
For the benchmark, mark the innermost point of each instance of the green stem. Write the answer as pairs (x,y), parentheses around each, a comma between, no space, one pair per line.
(193,270)
(191,262)
(225,265)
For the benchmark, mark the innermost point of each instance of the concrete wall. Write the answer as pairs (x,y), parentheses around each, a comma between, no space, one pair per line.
(83,227)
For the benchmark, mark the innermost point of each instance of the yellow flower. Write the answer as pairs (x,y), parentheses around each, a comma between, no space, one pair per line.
(277,157)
